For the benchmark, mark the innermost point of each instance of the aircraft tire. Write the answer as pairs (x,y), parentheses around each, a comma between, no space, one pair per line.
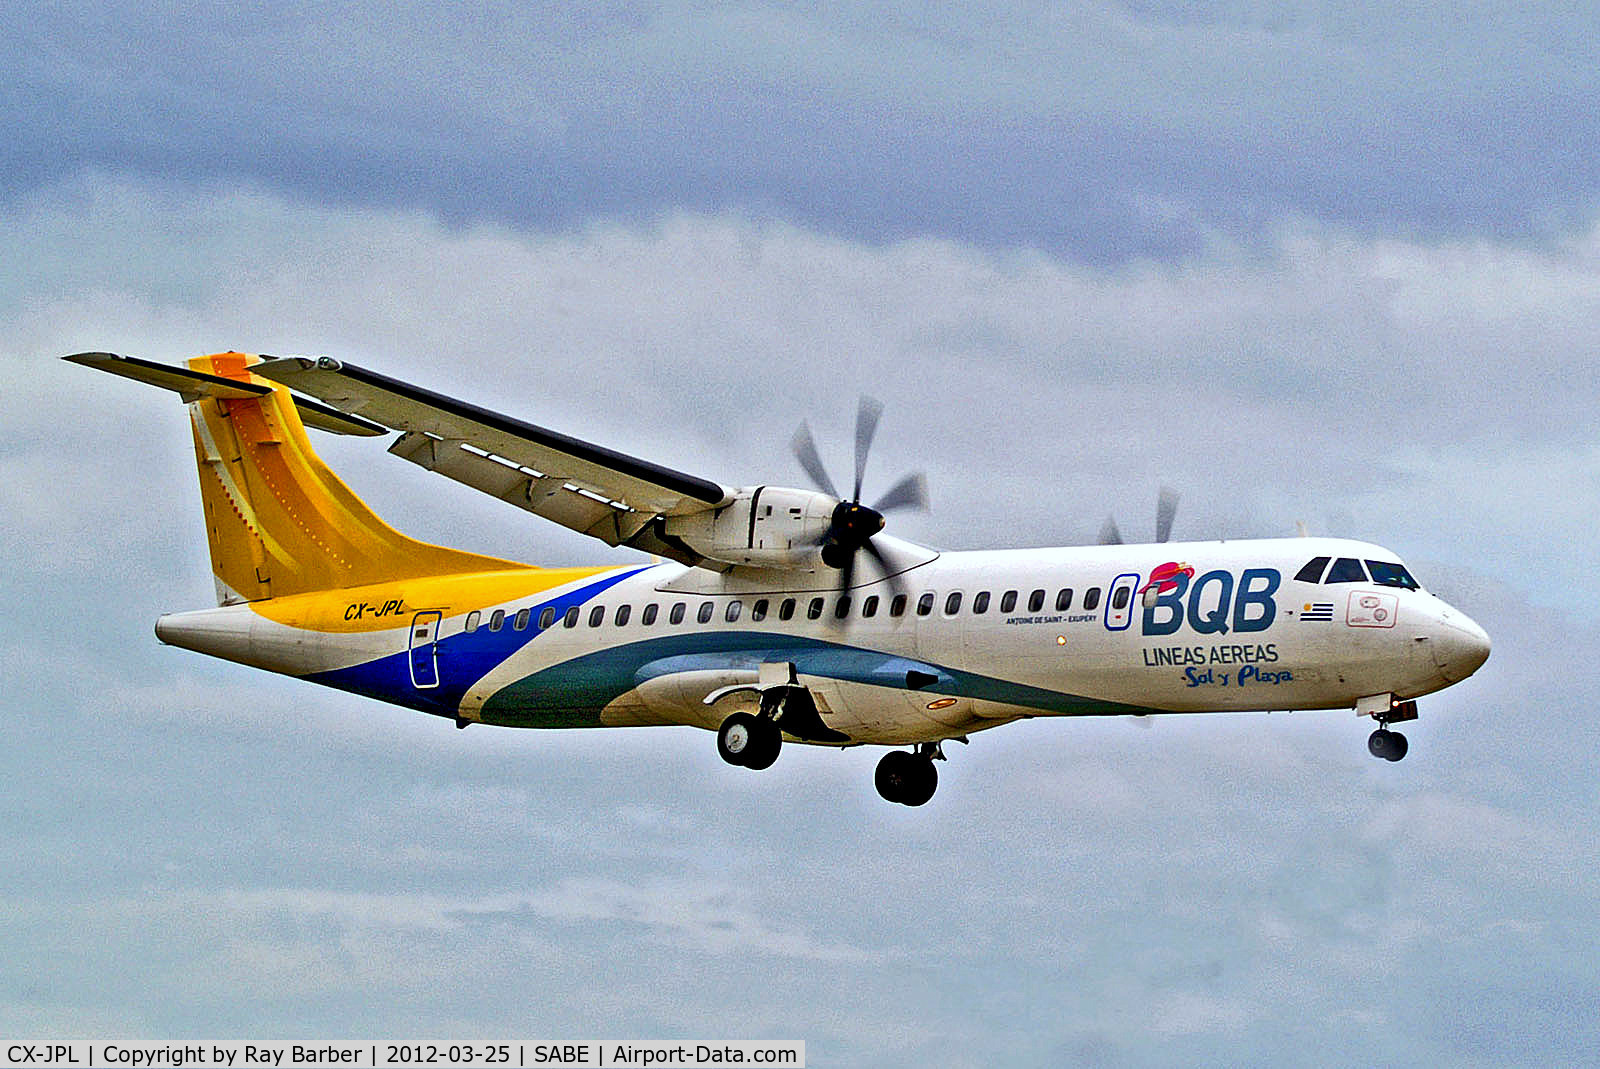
(1389,745)
(1397,746)
(923,782)
(736,739)
(906,778)
(891,775)
(765,741)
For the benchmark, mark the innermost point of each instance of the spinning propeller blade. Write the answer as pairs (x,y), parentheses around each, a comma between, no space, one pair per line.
(854,524)
(1166,510)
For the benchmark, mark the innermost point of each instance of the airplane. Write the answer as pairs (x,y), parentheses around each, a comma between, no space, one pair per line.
(766,614)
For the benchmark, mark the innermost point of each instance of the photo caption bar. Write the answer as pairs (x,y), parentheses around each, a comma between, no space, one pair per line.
(522,1054)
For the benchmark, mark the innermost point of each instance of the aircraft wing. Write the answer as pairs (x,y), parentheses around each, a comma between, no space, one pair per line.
(619,499)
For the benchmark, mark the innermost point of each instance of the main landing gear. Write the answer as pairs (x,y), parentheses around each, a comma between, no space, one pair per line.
(749,741)
(908,777)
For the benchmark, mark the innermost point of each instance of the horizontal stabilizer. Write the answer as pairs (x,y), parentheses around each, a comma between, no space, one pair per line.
(193,385)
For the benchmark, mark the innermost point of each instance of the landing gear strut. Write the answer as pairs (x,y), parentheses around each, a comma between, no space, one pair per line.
(908,777)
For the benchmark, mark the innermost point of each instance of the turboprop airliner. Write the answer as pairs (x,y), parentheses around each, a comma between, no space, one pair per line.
(766,614)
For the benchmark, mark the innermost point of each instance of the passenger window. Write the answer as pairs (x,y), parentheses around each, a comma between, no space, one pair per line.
(952,603)
(897,607)
(1008,601)
(1312,572)
(623,612)
(1091,599)
(571,619)
(786,610)
(925,604)
(980,603)
(472,621)
(814,610)
(597,615)
(869,608)
(676,615)
(1036,601)
(1119,600)
(649,615)
(1385,574)
(498,620)
(1064,600)
(521,622)
(1346,570)
(841,610)
(547,617)
(733,610)
(706,611)
(758,611)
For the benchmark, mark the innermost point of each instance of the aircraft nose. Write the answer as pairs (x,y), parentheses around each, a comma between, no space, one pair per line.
(1461,646)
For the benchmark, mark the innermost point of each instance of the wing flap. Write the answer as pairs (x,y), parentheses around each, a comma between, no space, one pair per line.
(554,499)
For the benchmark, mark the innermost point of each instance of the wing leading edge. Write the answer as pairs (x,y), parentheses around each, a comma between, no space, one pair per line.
(619,499)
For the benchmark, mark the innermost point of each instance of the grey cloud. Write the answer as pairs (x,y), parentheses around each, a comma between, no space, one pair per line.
(1107,132)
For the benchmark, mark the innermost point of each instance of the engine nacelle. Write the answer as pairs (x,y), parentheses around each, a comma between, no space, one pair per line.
(763,527)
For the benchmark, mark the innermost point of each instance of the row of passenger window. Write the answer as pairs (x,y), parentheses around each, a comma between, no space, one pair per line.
(815,609)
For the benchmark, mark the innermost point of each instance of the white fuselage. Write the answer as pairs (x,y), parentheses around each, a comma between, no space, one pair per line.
(981,638)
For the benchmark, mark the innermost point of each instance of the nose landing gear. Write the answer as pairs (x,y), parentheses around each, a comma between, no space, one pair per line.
(1386,744)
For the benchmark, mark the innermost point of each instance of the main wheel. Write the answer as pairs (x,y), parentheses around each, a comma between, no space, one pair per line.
(924,780)
(892,775)
(766,740)
(736,739)
(906,778)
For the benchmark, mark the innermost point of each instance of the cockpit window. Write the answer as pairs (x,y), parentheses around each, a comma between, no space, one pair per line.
(1386,574)
(1346,570)
(1312,572)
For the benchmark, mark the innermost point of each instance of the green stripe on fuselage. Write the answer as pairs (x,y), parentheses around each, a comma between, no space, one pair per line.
(574,693)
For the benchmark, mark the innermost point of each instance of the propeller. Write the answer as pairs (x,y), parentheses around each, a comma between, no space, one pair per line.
(1166,511)
(853,524)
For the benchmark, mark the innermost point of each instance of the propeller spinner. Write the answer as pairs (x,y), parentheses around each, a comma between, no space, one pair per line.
(853,525)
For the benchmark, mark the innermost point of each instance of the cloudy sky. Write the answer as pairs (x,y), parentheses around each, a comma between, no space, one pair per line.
(1331,263)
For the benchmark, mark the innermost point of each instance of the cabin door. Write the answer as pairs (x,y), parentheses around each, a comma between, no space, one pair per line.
(424,649)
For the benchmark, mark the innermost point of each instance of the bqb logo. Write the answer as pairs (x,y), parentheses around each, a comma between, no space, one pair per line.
(1214,603)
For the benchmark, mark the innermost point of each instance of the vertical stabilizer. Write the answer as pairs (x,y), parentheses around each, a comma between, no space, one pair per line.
(278,520)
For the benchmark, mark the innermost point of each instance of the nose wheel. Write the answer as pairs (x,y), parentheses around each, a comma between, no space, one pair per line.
(1389,745)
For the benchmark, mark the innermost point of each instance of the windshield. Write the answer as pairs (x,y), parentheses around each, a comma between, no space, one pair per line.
(1385,574)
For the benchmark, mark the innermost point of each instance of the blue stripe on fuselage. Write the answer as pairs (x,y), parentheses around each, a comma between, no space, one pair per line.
(464,658)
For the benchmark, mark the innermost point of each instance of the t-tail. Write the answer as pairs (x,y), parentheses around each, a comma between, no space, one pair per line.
(278,520)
